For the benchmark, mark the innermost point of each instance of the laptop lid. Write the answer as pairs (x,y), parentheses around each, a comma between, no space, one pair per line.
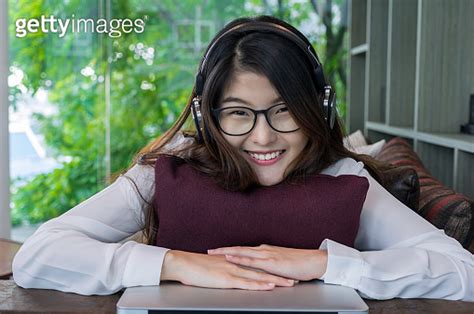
(174,297)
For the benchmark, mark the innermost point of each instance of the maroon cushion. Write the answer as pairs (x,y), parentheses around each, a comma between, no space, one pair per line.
(195,214)
(438,204)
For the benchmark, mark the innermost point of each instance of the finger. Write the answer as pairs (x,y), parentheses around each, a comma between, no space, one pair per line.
(249,284)
(222,250)
(260,263)
(240,251)
(265,277)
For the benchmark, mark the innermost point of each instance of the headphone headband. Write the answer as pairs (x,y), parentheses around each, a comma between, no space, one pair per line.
(266,27)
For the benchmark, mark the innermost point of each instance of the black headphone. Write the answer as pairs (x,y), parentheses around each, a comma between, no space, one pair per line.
(329,96)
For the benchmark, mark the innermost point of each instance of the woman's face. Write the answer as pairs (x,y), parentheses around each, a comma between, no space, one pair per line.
(255,91)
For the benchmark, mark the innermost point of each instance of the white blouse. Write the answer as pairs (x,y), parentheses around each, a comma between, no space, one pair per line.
(397,253)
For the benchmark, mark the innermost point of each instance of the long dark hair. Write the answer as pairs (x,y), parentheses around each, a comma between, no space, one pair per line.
(290,72)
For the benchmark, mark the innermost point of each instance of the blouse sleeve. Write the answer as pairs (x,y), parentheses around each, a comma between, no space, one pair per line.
(398,253)
(78,251)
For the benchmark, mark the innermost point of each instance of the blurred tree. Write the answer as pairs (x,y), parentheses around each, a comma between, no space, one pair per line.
(335,32)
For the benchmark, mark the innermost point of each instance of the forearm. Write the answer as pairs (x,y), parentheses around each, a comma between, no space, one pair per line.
(170,264)
(70,262)
(405,272)
(399,254)
(318,261)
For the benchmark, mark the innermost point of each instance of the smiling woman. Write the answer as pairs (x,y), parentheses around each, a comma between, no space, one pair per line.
(260,181)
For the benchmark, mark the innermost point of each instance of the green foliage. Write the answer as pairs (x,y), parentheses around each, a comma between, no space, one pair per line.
(49,195)
(151,77)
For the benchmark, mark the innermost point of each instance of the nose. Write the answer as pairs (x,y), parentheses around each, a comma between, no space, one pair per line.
(262,133)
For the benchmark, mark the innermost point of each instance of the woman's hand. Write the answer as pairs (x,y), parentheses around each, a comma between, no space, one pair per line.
(292,263)
(216,272)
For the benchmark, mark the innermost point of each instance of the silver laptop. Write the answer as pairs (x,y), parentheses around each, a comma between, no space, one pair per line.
(174,297)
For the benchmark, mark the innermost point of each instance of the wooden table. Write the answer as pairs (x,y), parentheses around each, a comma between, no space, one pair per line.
(19,300)
(8,249)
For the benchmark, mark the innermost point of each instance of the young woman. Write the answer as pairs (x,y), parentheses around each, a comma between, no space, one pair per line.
(261,179)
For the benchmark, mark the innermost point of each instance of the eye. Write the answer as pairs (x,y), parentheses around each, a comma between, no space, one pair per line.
(237,112)
(283,109)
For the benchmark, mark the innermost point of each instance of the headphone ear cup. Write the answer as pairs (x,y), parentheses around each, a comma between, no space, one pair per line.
(197,117)
(329,106)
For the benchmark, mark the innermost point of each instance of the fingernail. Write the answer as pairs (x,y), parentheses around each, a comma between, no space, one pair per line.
(270,284)
(210,251)
(229,256)
(290,281)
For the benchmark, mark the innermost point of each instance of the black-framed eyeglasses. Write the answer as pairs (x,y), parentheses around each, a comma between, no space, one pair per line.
(237,120)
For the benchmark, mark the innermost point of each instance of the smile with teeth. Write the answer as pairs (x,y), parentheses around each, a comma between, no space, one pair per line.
(267,156)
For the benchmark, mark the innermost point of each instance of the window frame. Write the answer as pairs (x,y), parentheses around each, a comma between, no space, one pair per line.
(5,221)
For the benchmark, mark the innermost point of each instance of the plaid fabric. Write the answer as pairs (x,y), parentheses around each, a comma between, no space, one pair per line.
(438,204)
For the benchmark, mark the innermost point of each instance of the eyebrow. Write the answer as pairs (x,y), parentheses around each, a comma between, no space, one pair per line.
(241,101)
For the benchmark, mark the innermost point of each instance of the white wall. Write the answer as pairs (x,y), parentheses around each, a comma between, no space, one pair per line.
(5,225)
